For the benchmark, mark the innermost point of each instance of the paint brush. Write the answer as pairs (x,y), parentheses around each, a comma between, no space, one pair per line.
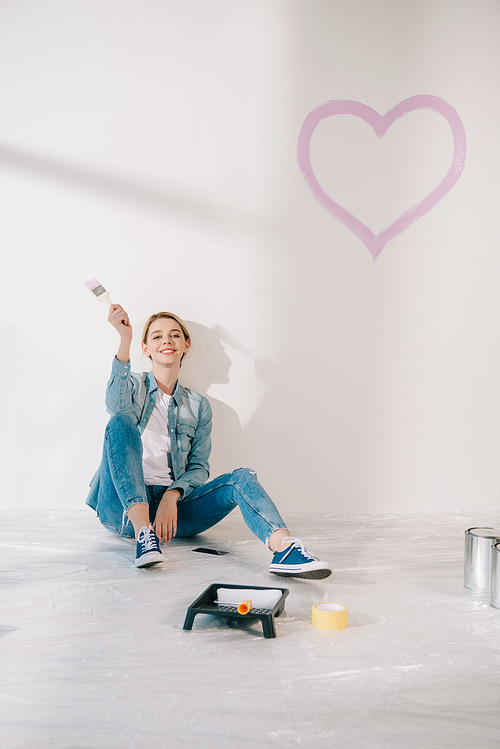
(98,289)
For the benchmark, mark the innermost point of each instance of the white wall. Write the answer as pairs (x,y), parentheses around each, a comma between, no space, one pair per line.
(152,144)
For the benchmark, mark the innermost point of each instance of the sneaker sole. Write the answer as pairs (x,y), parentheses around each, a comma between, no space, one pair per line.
(148,561)
(311,575)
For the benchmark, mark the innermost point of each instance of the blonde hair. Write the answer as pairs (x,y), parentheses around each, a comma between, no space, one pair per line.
(168,316)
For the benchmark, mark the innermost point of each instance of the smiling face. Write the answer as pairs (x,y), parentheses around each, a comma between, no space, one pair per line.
(165,341)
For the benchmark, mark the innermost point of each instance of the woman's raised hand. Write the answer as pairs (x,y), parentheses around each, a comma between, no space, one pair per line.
(120,321)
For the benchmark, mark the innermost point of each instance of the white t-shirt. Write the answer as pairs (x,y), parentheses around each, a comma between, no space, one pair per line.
(156,460)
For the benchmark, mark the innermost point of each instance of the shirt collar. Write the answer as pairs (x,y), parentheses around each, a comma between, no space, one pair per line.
(151,383)
(176,395)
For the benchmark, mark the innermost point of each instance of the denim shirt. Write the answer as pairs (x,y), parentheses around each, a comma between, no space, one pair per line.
(189,423)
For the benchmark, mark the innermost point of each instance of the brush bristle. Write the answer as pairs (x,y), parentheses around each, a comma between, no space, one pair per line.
(92,284)
(95,287)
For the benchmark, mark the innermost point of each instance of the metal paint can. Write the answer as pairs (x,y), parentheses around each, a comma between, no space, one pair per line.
(495,576)
(477,559)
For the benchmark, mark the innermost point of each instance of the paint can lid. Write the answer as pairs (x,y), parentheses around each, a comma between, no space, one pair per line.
(484,532)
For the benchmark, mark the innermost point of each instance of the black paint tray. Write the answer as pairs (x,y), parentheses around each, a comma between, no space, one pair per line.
(205,604)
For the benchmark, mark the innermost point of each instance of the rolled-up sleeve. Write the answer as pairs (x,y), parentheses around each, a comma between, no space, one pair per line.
(120,389)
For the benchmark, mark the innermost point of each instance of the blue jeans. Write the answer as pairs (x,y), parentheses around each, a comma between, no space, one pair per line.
(122,485)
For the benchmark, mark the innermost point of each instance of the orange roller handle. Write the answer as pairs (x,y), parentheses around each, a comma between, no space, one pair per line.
(245,607)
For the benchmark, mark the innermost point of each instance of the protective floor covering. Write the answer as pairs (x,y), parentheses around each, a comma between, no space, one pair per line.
(93,653)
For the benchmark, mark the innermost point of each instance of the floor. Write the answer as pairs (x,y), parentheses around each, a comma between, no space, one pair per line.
(93,651)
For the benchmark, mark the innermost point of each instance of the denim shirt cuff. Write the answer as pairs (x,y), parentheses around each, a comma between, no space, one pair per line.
(120,368)
(181,486)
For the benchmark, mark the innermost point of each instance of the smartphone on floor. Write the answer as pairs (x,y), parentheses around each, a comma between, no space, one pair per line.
(212,552)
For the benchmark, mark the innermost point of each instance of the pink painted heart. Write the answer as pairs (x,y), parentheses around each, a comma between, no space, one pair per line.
(380,124)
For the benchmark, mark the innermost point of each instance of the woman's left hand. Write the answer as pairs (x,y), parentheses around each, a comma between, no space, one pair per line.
(165,523)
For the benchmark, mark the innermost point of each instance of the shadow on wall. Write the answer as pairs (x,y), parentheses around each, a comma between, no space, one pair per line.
(119,188)
(260,442)
(208,364)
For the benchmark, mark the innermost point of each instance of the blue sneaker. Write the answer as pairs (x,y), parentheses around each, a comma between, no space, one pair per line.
(298,561)
(148,548)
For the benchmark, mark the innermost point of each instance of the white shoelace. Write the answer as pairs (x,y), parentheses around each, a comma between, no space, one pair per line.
(147,539)
(297,544)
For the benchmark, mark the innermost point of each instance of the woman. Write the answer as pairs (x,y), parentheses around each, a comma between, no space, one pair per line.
(152,481)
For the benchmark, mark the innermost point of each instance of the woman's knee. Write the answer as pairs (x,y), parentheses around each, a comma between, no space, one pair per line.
(243,475)
(122,438)
(121,423)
